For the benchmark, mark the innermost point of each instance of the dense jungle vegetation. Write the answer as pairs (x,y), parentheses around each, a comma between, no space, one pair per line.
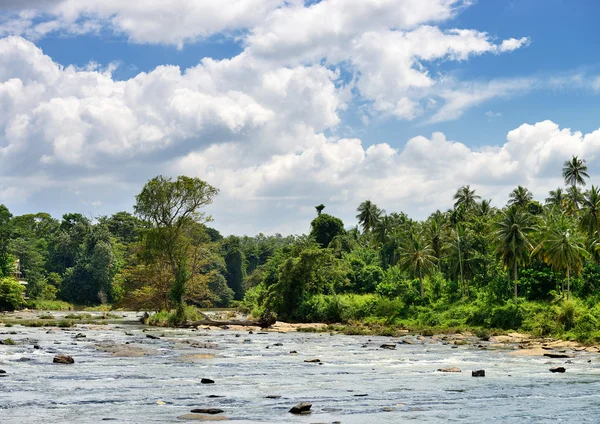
(527,266)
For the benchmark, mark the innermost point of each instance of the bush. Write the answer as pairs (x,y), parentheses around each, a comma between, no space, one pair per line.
(506,317)
(11,294)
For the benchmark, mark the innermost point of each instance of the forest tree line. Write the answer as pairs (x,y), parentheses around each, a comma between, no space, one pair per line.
(491,262)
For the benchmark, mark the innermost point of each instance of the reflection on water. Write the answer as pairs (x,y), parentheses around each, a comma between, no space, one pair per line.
(135,379)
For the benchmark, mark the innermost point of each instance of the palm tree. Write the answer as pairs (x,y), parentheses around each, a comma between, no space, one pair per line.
(574,171)
(513,239)
(590,219)
(485,208)
(520,197)
(417,257)
(573,199)
(556,197)
(368,215)
(562,246)
(465,198)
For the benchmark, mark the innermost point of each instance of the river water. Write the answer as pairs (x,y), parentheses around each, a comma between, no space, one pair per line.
(358,382)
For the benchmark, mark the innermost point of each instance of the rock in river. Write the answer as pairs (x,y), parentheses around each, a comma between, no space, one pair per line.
(312,361)
(452,369)
(388,346)
(478,373)
(63,359)
(202,417)
(301,408)
(207,381)
(556,355)
(558,369)
(211,411)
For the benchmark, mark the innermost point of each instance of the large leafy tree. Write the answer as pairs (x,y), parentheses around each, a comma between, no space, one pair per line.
(513,240)
(575,171)
(170,206)
(324,228)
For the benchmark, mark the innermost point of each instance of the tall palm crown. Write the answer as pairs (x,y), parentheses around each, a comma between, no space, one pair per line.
(556,197)
(416,256)
(368,215)
(574,171)
(520,196)
(465,198)
(513,239)
(562,246)
(573,199)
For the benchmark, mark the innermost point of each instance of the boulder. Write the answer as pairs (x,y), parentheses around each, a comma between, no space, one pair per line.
(556,355)
(558,369)
(80,336)
(211,411)
(207,381)
(451,369)
(390,346)
(63,359)
(153,337)
(301,408)
(478,373)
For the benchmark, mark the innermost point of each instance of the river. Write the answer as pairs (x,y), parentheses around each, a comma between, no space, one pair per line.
(121,374)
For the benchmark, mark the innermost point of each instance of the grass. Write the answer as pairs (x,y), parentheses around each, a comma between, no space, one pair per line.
(173,318)
(9,342)
(51,305)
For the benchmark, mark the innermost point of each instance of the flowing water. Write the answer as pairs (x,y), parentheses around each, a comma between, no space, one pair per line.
(357,382)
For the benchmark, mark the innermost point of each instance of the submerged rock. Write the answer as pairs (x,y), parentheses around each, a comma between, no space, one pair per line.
(312,361)
(478,373)
(273,397)
(63,359)
(390,346)
(152,336)
(202,417)
(301,408)
(558,369)
(211,411)
(451,369)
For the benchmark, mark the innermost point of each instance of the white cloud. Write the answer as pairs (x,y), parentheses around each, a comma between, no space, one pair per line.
(514,43)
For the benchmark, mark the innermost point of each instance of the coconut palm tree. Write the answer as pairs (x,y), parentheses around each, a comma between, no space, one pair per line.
(513,239)
(368,215)
(573,199)
(485,208)
(590,220)
(465,198)
(574,171)
(562,246)
(556,197)
(520,197)
(417,257)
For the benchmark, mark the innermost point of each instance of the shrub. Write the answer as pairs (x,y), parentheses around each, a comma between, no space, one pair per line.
(11,294)
(506,317)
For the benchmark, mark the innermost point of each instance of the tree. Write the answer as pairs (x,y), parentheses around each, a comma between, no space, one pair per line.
(320,208)
(416,256)
(169,207)
(235,263)
(5,235)
(368,215)
(573,199)
(556,198)
(520,197)
(562,246)
(574,171)
(324,228)
(465,198)
(513,239)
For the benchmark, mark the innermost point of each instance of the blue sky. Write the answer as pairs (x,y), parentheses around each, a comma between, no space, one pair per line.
(295,103)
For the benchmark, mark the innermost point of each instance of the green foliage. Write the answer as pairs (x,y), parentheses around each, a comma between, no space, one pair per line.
(11,294)
(324,228)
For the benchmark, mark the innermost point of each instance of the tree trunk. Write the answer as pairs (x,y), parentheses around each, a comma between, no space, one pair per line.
(515,277)
(421,282)
(462,278)
(568,284)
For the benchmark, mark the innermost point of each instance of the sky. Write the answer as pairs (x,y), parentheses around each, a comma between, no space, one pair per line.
(286,104)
